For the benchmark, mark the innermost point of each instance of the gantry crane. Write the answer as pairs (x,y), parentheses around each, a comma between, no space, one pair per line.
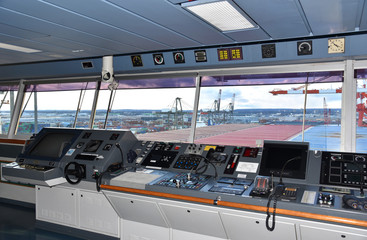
(361,98)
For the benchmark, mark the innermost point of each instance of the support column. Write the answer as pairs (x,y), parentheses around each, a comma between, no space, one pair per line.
(195,111)
(349,105)
(17,110)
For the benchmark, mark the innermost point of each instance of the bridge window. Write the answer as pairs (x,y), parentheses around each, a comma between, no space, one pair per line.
(56,105)
(361,118)
(153,109)
(8,94)
(245,110)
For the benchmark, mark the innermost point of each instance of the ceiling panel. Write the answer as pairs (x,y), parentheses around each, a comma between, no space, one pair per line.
(363,22)
(248,35)
(175,18)
(33,24)
(117,27)
(48,51)
(8,56)
(279,18)
(80,23)
(19,32)
(75,47)
(331,16)
(120,19)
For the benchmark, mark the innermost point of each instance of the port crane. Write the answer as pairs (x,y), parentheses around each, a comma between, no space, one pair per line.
(361,100)
(218,116)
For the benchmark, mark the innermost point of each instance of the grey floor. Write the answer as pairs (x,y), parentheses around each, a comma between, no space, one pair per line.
(19,222)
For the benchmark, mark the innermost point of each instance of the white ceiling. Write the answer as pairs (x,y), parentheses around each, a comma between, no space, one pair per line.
(70,29)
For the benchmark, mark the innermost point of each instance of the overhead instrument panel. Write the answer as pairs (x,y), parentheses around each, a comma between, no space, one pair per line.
(304,48)
(179,57)
(228,54)
(137,61)
(268,51)
(158,59)
(336,45)
(200,56)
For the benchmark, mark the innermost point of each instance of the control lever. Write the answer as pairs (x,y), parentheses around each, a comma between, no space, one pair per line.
(177,181)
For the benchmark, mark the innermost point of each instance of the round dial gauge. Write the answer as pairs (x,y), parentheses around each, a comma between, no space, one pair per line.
(158,59)
(304,48)
(179,57)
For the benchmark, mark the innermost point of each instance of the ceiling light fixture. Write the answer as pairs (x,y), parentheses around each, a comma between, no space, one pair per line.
(18,48)
(224,15)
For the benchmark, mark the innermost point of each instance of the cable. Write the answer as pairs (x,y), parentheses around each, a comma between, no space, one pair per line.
(111,168)
(122,155)
(99,181)
(205,166)
(268,215)
(285,164)
(278,191)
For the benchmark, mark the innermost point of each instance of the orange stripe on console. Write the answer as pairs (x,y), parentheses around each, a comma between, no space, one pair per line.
(13,141)
(314,216)
(159,194)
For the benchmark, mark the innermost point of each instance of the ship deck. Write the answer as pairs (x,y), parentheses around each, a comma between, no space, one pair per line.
(320,137)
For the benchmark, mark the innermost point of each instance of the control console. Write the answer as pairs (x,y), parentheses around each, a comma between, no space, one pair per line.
(344,169)
(57,155)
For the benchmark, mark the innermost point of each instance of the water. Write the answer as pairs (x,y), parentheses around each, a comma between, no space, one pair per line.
(327,138)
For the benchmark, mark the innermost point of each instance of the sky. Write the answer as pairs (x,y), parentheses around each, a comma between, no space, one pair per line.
(246,97)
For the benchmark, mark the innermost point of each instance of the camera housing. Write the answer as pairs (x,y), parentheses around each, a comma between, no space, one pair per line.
(107,69)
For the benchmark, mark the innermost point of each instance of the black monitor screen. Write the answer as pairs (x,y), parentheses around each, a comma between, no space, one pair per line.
(52,145)
(276,154)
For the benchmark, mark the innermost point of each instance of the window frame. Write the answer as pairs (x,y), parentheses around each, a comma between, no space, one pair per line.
(348,66)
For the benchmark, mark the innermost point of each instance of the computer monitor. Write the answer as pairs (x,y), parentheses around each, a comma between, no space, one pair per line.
(50,144)
(276,154)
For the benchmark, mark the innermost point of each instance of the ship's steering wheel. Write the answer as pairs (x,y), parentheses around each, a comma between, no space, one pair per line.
(78,172)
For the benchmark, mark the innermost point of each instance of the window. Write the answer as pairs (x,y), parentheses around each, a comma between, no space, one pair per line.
(8,94)
(56,105)
(153,109)
(245,110)
(361,117)
(323,117)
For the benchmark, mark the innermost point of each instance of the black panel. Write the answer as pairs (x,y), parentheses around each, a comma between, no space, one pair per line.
(291,157)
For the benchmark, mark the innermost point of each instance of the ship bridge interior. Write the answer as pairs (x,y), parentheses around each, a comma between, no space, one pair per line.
(183,119)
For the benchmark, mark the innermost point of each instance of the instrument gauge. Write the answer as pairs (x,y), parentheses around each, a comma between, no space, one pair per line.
(304,48)
(158,59)
(179,57)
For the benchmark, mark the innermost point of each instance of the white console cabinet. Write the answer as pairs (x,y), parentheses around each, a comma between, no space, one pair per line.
(138,217)
(152,218)
(242,225)
(57,205)
(77,208)
(334,233)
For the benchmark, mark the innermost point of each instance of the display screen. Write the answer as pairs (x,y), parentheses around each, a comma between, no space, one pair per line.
(276,154)
(52,145)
